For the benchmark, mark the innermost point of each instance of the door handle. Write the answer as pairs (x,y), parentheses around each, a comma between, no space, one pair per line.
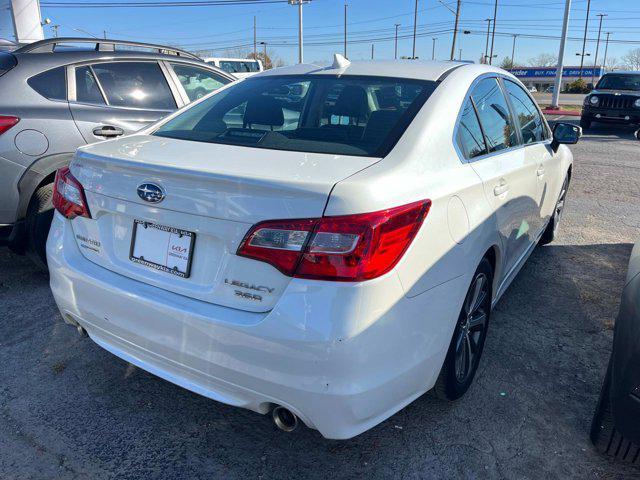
(108,131)
(540,171)
(501,188)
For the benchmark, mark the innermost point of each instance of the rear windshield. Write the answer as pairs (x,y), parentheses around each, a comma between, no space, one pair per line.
(7,62)
(619,82)
(363,116)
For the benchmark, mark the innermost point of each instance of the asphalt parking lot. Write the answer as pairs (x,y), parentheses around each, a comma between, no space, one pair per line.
(68,409)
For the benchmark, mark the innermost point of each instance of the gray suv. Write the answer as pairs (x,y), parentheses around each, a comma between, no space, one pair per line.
(62,93)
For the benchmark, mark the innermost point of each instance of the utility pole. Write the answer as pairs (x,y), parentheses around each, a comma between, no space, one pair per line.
(584,41)
(104,34)
(460,56)
(396,49)
(486,47)
(300,41)
(513,51)
(595,61)
(493,34)
(372,45)
(606,49)
(255,38)
(345,30)
(433,49)
(455,30)
(415,25)
(563,41)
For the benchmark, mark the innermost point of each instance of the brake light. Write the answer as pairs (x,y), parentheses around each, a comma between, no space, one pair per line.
(68,195)
(347,248)
(6,122)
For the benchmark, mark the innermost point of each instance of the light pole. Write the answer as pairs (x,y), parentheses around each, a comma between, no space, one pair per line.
(433,48)
(255,36)
(595,61)
(565,27)
(264,54)
(493,33)
(396,47)
(584,41)
(455,30)
(300,41)
(460,55)
(372,45)
(513,51)
(486,47)
(345,30)
(606,49)
(415,26)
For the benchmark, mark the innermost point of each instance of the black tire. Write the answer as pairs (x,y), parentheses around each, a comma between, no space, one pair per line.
(585,123)
(604,435)
(468,338)
(39,216)
(551,232)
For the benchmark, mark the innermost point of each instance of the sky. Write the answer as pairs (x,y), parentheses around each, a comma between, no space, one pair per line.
(229,28)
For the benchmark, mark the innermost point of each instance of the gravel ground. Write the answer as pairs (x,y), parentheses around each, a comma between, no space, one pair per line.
(68,409)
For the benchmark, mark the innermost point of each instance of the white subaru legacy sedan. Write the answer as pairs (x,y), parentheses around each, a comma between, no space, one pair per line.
(321,244)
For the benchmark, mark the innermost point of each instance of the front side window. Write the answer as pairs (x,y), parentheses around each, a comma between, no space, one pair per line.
(494,115)
(198,82)
(347,115)
(51,84)
(135,85)
(239,66)
(527,115)
(470,138)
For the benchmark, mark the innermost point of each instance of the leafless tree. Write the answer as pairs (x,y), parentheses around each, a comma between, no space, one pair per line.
(631,60)
(544,60)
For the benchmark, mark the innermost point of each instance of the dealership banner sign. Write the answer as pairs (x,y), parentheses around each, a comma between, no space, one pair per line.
(551,72)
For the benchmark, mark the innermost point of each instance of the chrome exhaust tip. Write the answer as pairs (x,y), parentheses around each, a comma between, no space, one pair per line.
(284,419)
(82,331)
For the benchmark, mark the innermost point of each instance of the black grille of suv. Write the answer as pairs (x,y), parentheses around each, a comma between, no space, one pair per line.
(616,101)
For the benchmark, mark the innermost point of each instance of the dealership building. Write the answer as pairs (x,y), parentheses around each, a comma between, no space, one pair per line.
(544,77)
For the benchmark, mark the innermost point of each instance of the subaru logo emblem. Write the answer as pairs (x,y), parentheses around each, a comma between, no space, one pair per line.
(150,192)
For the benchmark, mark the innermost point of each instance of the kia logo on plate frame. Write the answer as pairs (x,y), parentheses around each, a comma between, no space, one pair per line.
(150,192)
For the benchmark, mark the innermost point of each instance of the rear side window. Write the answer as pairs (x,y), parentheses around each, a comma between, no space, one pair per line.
(198,82)
(51,84)
(494,115)
(470,138)
(135,85)
(7,62)
(527,115)
(87,90)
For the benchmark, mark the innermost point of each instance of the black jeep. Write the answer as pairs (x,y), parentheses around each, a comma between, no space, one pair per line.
(616,99)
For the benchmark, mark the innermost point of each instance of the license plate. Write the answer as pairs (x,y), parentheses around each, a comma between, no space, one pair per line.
(163,248)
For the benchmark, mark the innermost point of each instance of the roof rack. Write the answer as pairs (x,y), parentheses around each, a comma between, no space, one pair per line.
(107,45)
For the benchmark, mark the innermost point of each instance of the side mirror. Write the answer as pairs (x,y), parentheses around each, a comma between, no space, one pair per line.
(565,133)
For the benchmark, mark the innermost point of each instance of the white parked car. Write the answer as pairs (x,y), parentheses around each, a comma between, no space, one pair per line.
(329,257)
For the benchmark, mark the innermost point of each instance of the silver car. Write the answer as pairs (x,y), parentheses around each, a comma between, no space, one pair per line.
(62,93)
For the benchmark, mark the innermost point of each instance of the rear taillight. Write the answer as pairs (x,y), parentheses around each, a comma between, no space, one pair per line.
(6,122)
(347,248)
(68,195)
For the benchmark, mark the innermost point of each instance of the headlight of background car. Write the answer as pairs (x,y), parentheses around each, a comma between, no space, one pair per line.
(637,103)
(594,100)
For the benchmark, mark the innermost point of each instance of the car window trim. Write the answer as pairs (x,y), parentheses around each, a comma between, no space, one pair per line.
(178,91)
(461,155)
(180,88)
(470,101)
(66,80)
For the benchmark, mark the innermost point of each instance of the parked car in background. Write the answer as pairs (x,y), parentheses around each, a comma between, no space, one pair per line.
(615,430)
(329,256)
(238,67)
(59,94)
(616,99)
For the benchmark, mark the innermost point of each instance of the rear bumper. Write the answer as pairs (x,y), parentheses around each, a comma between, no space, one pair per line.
(625,385)
(343,357)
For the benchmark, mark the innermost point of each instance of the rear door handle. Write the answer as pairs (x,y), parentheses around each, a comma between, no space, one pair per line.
(108,131)
(503,187)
